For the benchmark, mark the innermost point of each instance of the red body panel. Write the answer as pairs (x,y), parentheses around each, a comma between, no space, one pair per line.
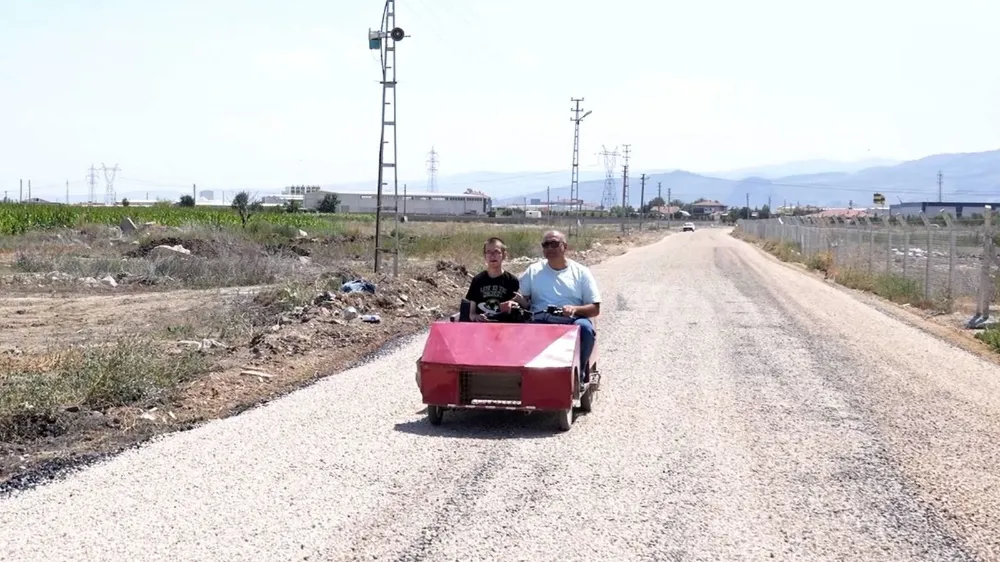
(509,366)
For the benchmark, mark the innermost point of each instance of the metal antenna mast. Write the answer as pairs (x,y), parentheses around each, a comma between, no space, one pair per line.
(574,189)
(92,182)
(109,191)
(625,191)
(610,196)
(384,39)
(432,169)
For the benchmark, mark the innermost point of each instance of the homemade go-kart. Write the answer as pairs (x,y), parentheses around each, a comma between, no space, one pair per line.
(519,366)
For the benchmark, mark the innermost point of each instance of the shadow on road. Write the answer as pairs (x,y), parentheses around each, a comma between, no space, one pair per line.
(484,424)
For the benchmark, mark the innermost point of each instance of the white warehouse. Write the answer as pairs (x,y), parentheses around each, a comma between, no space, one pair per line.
(414,203)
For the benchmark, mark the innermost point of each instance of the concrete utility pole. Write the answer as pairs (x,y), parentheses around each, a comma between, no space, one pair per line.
(384,40)
(748,206)
(20,192)
(669,214)
(642,200)
(940,186)
(625,190)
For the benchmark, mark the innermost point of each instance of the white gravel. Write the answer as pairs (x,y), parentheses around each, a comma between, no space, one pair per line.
(748,412)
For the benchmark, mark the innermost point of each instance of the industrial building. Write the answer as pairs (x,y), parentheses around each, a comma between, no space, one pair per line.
(413,203)
(956,209)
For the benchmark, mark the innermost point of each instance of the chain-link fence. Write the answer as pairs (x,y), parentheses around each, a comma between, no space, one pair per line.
(939,258)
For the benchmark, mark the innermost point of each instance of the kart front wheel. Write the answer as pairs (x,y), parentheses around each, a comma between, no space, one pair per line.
(435,414)
(565,419)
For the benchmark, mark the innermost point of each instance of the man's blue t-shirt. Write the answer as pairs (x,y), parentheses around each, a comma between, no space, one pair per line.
(574,285)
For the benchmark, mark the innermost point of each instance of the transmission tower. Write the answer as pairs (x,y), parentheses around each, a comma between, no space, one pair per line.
(109,178)
(384,39)
(432,170)
(92,183)
(625,191)
(610,196)
(574,186)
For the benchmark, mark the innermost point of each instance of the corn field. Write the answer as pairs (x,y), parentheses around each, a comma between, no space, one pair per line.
(18,218)
(947,260)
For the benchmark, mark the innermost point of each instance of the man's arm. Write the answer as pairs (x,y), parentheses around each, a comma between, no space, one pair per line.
(589,294)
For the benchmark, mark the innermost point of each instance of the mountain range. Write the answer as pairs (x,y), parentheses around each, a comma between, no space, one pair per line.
(972,176)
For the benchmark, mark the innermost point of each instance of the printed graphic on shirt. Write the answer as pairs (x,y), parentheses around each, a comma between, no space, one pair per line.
(488,292)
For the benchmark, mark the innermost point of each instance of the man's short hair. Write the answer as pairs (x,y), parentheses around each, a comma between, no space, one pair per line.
(495,240)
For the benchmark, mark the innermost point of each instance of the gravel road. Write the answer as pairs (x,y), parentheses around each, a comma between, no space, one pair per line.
(748,412)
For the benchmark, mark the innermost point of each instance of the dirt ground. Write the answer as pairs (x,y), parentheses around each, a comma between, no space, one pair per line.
(319,337)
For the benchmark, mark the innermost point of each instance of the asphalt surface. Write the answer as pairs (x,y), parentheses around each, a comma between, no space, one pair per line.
(748,412)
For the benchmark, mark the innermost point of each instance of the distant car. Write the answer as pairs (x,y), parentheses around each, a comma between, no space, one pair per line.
(688,227)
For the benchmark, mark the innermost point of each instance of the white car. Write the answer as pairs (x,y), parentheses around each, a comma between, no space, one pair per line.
(687,227)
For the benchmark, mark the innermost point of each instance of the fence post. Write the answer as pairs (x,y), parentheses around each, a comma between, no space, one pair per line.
(871,245)
(906,245)
(951,253)
(930,246)
(888,245)
(985,290)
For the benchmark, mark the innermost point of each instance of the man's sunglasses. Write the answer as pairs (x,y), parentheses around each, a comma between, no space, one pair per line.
(551,244)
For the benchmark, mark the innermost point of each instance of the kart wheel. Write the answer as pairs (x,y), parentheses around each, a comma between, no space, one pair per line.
(587,400)
(435,414)
(565,419)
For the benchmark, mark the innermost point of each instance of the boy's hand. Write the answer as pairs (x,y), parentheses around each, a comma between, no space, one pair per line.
(508,306)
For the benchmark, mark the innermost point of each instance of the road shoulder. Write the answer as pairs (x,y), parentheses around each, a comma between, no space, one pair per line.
(958,337)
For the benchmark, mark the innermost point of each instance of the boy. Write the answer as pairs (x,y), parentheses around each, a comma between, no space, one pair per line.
(493,291)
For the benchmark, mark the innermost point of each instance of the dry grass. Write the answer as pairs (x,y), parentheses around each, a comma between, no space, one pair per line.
(894,288)
(131,370)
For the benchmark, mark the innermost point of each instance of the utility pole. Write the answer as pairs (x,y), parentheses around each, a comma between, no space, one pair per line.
(670,215)
(625,191)
(385,39)
(548,200)
(748,206)
(432,169)
(940,185)
(642,200)
(20,193)
(609,195)
(67,192)
(29,190)
(574,186)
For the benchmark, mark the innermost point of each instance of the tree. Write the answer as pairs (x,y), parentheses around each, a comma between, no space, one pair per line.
(245,207)
(293,206)
(186,201)
(125,202)
(329,203)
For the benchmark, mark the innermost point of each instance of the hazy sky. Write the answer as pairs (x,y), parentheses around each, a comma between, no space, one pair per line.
(231,94)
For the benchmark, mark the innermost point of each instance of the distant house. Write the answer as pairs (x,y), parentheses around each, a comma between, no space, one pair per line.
(708,208)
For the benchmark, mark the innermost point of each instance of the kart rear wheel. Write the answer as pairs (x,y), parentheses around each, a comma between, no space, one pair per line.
(435,414)
(565,419)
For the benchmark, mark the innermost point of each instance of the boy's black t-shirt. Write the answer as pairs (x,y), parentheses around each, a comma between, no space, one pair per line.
(488,292)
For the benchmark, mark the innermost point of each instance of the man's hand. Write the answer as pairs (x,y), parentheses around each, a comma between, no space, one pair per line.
(507,306)
(569,310)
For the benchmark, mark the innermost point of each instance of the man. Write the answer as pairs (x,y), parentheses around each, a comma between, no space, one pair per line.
(493,289)
(564,283)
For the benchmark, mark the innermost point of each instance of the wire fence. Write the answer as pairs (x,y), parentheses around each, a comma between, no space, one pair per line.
(944,260)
